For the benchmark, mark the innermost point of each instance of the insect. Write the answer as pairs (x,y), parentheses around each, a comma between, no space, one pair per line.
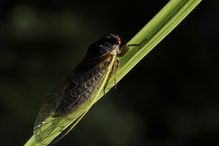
(73,97)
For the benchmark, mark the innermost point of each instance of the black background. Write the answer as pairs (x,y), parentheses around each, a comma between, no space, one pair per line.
(169,99)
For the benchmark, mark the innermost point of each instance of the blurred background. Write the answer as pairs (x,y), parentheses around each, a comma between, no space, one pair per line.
(169,99)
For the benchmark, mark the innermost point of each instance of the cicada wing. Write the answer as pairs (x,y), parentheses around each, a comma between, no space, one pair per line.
(63,105)
(48,124)
(50,103)
(45,122)
(53,129)
(68,129)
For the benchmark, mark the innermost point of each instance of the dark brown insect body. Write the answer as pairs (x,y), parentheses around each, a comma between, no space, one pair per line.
(89,78)
(90,73)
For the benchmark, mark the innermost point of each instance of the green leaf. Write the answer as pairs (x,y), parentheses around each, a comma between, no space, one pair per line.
(149,36)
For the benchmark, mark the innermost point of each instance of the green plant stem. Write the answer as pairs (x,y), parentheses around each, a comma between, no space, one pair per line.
(159,27)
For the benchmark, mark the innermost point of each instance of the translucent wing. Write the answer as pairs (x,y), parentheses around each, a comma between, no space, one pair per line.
(64,105)
(68,129)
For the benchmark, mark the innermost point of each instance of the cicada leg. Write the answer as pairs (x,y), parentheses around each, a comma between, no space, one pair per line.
(124,49)
(113,73)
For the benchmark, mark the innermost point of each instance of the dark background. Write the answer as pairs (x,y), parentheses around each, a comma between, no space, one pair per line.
(169,99)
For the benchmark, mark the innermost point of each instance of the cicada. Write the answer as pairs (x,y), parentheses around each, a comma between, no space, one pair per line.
(73,97)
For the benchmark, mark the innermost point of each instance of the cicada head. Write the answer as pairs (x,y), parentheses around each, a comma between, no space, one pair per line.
(105,45)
